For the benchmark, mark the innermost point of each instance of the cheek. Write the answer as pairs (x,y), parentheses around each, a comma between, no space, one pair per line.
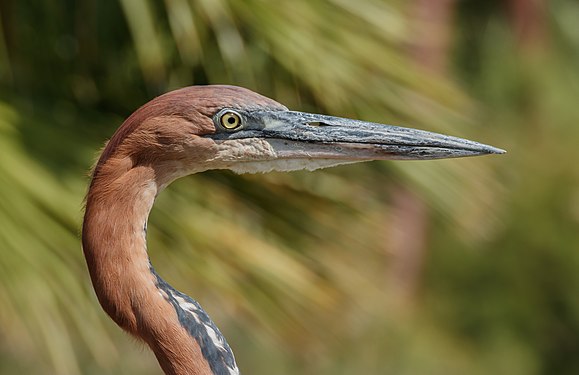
(244,150)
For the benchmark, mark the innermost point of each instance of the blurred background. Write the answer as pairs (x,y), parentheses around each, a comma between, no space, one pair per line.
(466,266)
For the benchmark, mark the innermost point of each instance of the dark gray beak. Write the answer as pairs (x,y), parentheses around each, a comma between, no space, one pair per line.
(389,142)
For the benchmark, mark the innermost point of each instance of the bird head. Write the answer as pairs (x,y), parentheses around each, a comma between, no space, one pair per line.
(226,127)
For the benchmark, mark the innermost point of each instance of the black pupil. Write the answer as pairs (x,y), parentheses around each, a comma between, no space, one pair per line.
(231,120)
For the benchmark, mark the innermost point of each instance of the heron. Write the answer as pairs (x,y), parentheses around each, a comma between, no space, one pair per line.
(191,130)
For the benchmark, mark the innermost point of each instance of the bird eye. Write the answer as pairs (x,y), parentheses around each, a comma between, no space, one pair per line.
(230,120)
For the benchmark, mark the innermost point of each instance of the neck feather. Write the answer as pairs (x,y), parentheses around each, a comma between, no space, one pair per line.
(183,338)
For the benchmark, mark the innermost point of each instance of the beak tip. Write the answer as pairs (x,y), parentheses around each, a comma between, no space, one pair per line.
(495,150)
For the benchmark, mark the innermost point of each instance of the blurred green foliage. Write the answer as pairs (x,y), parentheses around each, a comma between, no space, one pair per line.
(300,270)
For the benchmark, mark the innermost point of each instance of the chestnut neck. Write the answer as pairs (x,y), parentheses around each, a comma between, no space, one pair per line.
(114,243)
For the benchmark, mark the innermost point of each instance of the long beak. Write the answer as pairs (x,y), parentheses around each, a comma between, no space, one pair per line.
(348,139)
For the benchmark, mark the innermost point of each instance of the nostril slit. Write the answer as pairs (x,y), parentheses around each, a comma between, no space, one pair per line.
(317,123)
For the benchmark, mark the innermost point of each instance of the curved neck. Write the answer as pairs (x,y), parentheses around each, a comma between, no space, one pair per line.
(113,236)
